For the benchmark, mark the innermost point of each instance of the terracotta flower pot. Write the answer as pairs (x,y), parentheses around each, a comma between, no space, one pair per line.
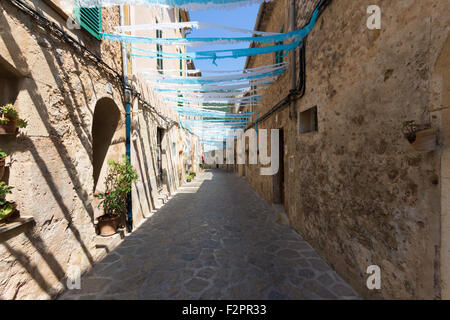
(425,141)
(107,226)
(8,128)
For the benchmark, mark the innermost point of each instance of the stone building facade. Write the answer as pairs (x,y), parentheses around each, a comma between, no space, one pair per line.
(75,107)
(162,151)
(349,182)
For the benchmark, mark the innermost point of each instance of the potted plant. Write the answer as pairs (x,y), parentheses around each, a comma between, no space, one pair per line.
(192,174)
(3,156)
(189,178)
(114,200)
(423,138)
(9,120)
(6,208)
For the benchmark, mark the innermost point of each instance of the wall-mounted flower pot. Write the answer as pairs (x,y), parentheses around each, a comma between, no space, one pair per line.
(426,140)
(8,128)
(107,226)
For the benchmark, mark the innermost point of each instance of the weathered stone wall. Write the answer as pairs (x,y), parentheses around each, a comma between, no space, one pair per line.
(356,189)
(51,168)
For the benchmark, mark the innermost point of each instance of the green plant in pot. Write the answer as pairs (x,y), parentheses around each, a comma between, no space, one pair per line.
(9,120)
(114,200)
(3,156)
(6,208)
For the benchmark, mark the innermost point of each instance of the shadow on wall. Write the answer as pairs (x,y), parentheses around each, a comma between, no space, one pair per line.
(71,107)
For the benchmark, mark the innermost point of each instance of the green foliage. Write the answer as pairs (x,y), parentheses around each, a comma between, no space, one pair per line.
(192,174)
(202,165)
(4,190)
(118,186)
(8,112)
(3,154)
(6,210)
(22,123)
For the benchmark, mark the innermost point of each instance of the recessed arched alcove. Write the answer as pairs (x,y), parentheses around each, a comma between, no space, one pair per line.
(9,83)
(104,125)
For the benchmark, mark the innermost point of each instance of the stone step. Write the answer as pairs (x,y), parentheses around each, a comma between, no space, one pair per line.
(104,245)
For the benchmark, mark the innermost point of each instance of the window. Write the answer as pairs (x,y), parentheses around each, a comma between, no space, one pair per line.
(159,61)
(180,19)
(308,121)
(90,20)
(279,54)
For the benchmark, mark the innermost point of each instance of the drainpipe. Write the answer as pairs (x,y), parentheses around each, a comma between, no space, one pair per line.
(127,114)
(293,114)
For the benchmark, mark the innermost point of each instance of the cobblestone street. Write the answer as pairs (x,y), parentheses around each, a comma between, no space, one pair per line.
(215,239)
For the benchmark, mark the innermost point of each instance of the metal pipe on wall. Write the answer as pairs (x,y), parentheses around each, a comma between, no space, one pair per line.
(127,97)
(293,114)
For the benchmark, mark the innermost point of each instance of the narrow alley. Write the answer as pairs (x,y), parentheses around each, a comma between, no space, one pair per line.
(215,239)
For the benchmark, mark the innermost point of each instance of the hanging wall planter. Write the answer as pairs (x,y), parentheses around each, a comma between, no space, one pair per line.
(423,138)
(9,120)
(3,156)
(7,208)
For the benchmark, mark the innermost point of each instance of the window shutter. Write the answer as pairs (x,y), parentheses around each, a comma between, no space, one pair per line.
(90,20)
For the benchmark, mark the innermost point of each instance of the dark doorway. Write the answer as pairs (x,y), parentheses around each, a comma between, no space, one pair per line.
(278,179)
(106,119)
(159,168)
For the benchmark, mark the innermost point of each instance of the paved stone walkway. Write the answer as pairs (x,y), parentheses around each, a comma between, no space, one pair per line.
(215,239)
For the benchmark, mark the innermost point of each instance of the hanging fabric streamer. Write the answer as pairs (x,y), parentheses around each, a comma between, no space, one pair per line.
(203,88)
(217,100)
(196,71)
(296,36)
(213,55)
(189,5)
(219,79)
(210,95)
(188,24)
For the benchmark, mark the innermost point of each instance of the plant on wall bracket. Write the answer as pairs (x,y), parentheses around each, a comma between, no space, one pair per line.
(9,120)
(423,138)
(6,208)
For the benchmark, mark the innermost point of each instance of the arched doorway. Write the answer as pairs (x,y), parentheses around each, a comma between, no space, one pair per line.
(104,127)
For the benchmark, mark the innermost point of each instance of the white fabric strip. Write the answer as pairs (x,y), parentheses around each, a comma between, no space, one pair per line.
(223,78)
(189,24)
(207,95)
(268,67)
(188,6)
(197,87)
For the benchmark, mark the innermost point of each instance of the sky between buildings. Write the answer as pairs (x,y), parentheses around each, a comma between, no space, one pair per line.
(242,17)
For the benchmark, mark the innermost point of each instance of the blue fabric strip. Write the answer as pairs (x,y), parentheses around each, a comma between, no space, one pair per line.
(296,36)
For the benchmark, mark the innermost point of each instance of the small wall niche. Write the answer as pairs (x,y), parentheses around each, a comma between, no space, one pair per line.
(308,121)
(9,83)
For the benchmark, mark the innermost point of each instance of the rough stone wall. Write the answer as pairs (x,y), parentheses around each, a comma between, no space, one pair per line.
(356,189)
(52,159)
